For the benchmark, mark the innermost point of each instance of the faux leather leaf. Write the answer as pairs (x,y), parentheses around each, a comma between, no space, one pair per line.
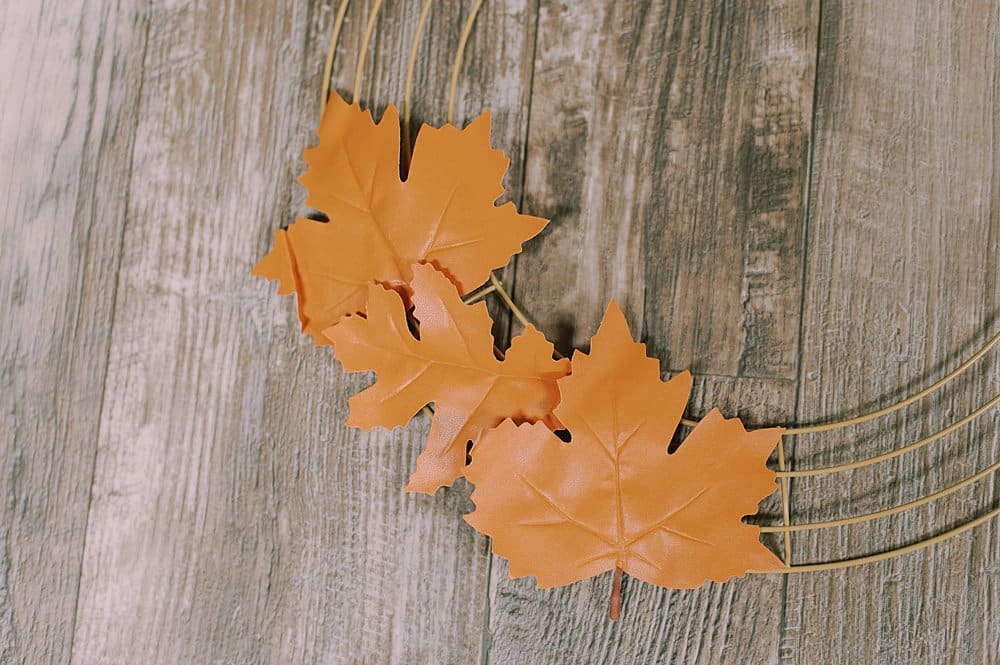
(443,214)
(452,364)
(613,496)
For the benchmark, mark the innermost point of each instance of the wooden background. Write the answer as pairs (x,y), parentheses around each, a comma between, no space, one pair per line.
(798,200)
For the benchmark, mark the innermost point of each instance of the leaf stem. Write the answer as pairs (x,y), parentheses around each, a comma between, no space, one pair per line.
(615,611)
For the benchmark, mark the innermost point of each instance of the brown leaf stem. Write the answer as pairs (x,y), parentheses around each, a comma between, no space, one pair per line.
(615,612)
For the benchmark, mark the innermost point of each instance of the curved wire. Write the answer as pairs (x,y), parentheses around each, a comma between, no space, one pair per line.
(915,397)
(786,505)
(369,29)
(927,440)
(456,68)
(916,503)
(331,53)
(509,302)
(410,66)
(889,554)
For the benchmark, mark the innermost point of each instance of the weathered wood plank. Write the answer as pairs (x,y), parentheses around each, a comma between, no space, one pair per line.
(70,76)
(901,283)
(674,145)
(668,142)
(234,518)
(183,536)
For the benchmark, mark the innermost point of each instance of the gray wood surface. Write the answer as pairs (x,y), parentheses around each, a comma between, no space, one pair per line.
(797,200)
(71,76)
(900,283)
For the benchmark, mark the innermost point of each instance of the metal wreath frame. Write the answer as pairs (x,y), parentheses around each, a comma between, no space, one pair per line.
(786,528)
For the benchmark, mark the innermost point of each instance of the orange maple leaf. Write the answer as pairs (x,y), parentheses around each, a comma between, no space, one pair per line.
(444,213)
(451,364)
(613,498)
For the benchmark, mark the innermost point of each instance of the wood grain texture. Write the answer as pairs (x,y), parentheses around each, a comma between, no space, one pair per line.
(901,284)
(234,519)
(632,104)
(177,482)
(181,537)
(71,75)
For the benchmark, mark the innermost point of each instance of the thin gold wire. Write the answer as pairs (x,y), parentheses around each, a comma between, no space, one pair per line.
(359,70)
(893,553)
(916,503)
(786,506)
(331,53)
(456,68)
(410,66)
(505,297)
(496,286)
(927,440)
(479,295)
(915,397)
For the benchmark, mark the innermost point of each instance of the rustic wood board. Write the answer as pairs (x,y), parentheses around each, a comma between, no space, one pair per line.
(71,74)
(287,533)
(177,482)
(902,260)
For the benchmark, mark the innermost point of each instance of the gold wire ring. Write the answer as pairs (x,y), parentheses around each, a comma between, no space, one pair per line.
(331,52)
(408,87)
(916,445)
(497,287)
